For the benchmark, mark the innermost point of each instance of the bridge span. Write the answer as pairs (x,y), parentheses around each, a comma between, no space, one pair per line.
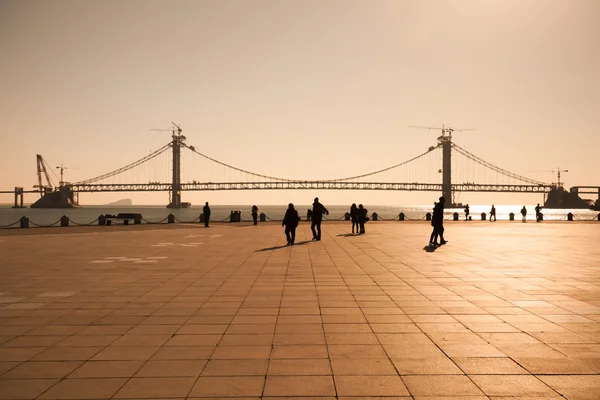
(190,170)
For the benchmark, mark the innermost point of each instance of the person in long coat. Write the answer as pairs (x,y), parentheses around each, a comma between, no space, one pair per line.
(354,217)
(362,218)
(437,221)
(206,211)
(290,221)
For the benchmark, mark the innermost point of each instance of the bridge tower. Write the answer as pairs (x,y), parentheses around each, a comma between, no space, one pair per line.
(446,142)
(176,143)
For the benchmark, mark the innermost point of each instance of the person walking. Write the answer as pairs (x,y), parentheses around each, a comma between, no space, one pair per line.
(467,212)
(524,214)
(493,213)
(290,221)
(437,221)
(206,210)
(354,217)
(538,213)
(317,216)
(255,214)
(362,218)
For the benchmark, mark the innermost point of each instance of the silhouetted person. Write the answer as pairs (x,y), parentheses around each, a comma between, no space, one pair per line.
(354,217)
(362,218)
(524,214)
(290,221)
(493,213)
(437,221)
(206,211)
(255,214)
(317,216)
(467,212)
(308,214)
(538,212)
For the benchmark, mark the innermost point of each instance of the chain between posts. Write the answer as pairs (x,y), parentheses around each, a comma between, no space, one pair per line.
(9,225)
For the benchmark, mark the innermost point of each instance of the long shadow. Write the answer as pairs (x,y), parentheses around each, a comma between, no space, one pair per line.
(347,234)
(430,249)
(281,247)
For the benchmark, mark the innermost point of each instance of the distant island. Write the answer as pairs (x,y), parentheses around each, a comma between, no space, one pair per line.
(123,202)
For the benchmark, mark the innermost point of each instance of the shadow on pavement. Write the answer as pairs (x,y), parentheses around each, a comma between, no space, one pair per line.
(281,247)
(430,249)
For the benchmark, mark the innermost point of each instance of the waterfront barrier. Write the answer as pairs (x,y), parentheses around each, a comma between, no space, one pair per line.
(235,216)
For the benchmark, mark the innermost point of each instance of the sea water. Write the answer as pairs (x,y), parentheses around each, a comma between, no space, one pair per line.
(88,214)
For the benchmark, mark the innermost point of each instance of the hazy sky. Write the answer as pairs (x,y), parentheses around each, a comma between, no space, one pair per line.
(300,89)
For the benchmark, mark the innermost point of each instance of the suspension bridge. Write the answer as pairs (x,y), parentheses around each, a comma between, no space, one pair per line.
(177,167)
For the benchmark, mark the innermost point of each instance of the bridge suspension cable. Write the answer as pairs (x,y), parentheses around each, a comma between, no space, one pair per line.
(127,167)
(493,167)
(193,149)
(384,169)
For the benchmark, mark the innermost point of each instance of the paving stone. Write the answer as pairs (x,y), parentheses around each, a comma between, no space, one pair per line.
(369,317)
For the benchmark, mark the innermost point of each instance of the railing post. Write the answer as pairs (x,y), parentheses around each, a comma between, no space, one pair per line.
(102,220)
(570,217)
(483,216)
(137,220)
(401,216)
(428,216)
(24,222)
(202,217)
(511,216)
(263,217)
(347,216)
(171,219)
(455,216)
(374,216)
(64,221)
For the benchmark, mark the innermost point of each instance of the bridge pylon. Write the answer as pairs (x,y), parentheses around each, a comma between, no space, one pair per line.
(445,141)
(177,142)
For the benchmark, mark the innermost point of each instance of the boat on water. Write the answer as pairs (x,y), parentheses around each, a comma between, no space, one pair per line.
(61,197)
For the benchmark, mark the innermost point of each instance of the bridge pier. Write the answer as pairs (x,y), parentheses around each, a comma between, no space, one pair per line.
(18,197)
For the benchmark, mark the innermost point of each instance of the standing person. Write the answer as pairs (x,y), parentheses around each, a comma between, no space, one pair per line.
(437,221)
(255,214)
(354,217)
(317,216)
(467,212)
(362,218)
(206,211)
(290,221)
(493,213)
(538,213)
(524,214)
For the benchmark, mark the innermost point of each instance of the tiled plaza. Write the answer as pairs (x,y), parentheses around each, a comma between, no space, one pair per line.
(505,311)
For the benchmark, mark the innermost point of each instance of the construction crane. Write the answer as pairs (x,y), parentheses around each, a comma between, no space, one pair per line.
(446,131)
(62,168)
(42,169)
(174,129)
(556,171)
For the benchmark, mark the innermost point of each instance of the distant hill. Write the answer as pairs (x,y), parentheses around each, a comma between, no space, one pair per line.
(123,202)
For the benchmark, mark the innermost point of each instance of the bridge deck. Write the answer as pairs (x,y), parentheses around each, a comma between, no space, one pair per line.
(507,309)
(312,185)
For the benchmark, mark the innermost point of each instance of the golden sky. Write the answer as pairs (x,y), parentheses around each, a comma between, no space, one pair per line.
(300,89)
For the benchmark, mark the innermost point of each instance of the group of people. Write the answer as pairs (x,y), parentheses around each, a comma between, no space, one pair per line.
(358,216)
(206,212)
(437,221)
(290,221)
(538,213)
